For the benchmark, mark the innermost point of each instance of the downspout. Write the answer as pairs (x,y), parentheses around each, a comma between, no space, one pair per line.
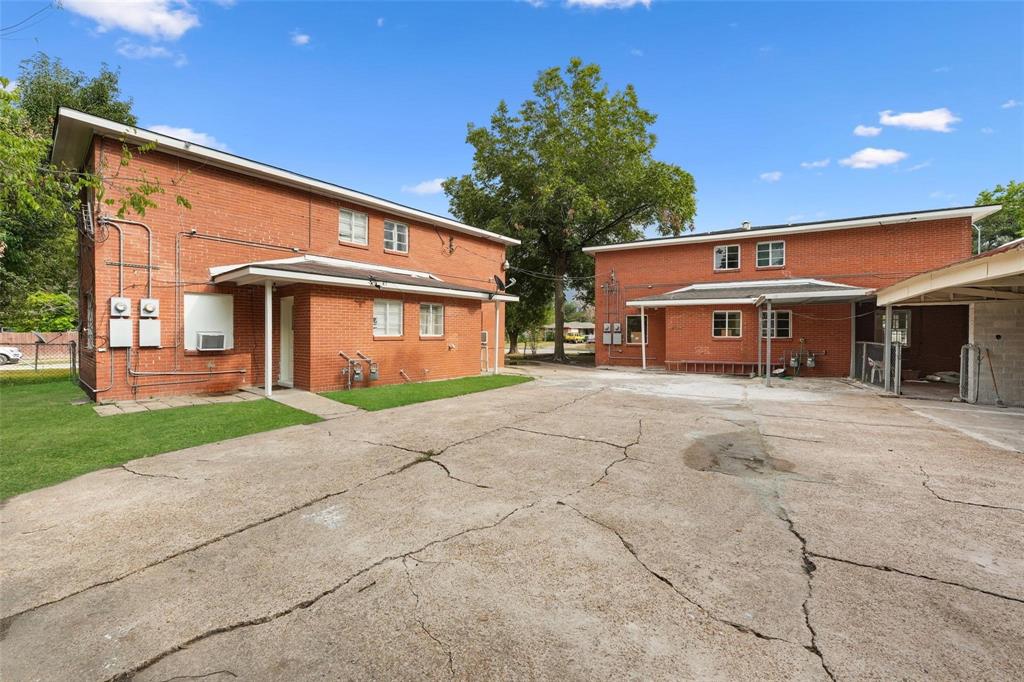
(978,230)
(268,337)
(760,351)
(643,338)
(768,351)
(497,338)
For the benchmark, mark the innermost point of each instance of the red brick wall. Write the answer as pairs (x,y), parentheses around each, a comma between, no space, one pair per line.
(281,220)
(872,257)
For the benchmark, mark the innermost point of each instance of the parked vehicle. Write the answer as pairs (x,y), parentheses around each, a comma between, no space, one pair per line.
(9,355)
(574,337)
(591,338)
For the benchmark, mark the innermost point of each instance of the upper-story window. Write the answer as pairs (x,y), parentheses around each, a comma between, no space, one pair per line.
(396,236)
(352,226)
(727,257)
(771,254)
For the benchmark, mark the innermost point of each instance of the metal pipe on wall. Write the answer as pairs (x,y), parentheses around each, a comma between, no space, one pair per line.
(149,248)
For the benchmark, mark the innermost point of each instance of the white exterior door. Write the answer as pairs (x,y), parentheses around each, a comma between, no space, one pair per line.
(287,361)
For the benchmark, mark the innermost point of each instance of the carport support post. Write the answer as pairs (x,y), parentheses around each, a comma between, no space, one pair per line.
(760,352)
(497,338)
(268,338)
(643,337)
(768,350)
(887,349)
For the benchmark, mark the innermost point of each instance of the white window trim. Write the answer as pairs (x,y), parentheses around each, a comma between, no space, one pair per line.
(761,321)
(366,227)
(396,223)
(714,260)
(432,306)
(645,330)
(770,242)
(719,336)
(887,334)
(401,319)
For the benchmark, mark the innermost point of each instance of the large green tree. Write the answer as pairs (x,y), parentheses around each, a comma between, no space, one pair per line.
(1007,224)
(39,203)
(572,168)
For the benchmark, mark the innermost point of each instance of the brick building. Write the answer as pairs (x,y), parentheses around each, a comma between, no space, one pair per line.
(354,289)
(705,302)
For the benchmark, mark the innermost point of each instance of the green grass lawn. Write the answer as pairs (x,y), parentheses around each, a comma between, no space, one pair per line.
(396,395)
(44,439)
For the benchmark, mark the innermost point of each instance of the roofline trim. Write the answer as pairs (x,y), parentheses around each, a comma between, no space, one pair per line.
(219,158)
(974,212)
(250,274)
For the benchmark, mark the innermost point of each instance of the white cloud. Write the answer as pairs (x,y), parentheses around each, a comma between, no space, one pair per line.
(867,131)
(131,50)
(945,196)
(795,218)
(942,69)
(869,157)
(636,52)
(937,120)
(535,3)
(771,176)
(11,85)
(822,163)
(1009,104)
(425,187)
(918,166)
(606,4)
(300,39)
(160,19)
(380,22)
(190,135)
(987,131)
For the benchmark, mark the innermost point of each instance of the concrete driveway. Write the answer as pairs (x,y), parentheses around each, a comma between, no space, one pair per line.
(588,525)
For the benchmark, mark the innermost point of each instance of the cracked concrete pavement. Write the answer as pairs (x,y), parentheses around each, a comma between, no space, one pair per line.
(590,524)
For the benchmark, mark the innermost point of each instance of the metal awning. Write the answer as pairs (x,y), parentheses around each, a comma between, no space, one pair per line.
(757,292)
(996,275)
(336,272)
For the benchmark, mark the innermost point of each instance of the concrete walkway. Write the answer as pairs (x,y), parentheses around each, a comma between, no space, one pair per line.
(325,408)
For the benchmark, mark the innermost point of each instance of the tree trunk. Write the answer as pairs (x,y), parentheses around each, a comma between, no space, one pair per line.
(513,341)
(560,268)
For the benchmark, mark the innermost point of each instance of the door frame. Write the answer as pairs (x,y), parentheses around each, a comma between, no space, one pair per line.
(286,350)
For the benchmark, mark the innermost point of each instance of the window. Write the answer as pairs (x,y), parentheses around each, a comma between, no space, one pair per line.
(209,314)
(633,331)
(727,257)
(726,323)
(431,319)
(387,318)
(396,236)
(351,227)
(782,324)
(771,254)
(900,326)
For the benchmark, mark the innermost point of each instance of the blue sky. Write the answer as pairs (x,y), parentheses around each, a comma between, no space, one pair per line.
(758,101)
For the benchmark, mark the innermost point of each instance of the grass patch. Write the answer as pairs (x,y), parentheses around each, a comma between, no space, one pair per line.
(45,439)
(396,395)
(21,377)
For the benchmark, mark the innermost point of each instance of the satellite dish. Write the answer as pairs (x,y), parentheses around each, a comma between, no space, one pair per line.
(499,283)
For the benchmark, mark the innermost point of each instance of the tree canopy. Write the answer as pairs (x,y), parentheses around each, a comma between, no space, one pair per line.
(573,167)
(1007,224)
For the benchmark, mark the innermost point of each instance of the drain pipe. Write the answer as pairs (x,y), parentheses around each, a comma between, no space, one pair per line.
(497,337)
(978,230)
(643,337)
(149,248)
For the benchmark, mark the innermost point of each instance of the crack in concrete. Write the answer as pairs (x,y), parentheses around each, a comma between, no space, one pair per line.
(806,440)
(833,422)
(423,626)
(562,435)
(199,677)
(890,569)
(139,473)
(304,604)
(703,609)
(927,487)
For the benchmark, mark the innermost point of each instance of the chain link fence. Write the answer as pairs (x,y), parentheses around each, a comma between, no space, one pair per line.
(869,364)
(31,362)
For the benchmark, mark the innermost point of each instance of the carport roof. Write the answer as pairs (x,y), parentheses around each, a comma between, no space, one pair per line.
(336,272)
(791,291)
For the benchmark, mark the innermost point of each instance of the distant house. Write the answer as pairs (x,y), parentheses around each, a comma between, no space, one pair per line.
(807,297)
(569,327)
(270,277)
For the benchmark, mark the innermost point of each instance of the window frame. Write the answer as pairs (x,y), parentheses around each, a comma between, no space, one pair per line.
(401,318)
(906,329)
(395,242)
(366,227)
(432,319)
(739,315)
(714,257)
(757,254)
(763,322)
(646,327)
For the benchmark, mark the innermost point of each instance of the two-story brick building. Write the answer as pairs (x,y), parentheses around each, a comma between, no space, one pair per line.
(261,276)
(799,296)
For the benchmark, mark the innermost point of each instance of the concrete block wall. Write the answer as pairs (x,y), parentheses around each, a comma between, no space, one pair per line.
(998,328)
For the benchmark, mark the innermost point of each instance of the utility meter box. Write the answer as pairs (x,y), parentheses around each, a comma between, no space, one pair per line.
(120,306)
(149,333)
(149,307)
(616,334)
(374,371)
(606,334)
(120,335)
(357,372)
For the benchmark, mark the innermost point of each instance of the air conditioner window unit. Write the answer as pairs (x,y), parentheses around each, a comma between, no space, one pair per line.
(210,341)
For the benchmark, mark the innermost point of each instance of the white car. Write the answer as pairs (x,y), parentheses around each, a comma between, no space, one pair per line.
(9,355)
